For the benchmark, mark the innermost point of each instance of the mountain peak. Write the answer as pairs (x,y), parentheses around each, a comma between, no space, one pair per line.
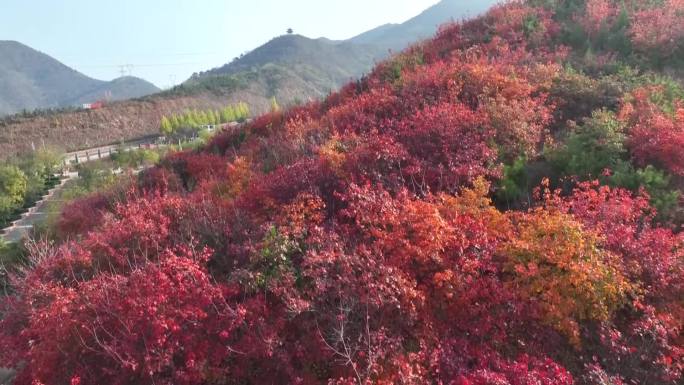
(30,79)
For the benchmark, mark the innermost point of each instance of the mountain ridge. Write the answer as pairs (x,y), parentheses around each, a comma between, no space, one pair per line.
(30,79)
(397,36)
(323,64)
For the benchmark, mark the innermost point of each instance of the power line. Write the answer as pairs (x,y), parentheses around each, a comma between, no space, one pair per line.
(137,65)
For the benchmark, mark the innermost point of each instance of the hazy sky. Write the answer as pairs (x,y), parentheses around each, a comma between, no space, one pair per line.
(165,41)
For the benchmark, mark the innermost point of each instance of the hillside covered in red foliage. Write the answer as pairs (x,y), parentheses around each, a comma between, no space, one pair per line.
(497,205)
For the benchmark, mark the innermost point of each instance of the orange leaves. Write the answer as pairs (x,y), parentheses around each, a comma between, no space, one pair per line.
(520,125)
(333,152)
(238,177)
(475,202)
(560,266)
(305,211)
(510,96)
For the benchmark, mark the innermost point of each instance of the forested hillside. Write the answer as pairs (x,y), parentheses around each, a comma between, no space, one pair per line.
(500,204)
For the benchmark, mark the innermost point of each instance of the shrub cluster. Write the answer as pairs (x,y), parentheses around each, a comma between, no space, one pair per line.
(355,240)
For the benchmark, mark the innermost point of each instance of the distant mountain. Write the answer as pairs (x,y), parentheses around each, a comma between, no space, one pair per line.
(423,26)
(341,60)
(31,80)
(313,67)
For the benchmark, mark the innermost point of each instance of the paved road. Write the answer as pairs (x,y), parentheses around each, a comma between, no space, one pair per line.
(104,152)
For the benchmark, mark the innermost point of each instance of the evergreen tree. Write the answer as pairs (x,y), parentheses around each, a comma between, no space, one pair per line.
(196,118)
(229,114)
(175,122)
(204,118)
(189,121)
(244,111)
(166,127)
(213,119)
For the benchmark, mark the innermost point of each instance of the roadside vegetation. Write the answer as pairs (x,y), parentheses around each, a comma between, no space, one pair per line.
(24,180)
(98,177)
(194,123)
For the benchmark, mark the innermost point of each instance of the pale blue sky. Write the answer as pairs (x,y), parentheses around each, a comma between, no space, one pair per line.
(167,40)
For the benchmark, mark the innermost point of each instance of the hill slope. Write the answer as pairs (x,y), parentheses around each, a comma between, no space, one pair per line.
(321,65)
(32,80)
(312,67)
(423,26)
(492,206)
(342,59)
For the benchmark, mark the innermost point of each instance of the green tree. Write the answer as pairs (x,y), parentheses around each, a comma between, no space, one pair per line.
(13,183)
(166,127)
(202,118)
(515,183)
(196,118)
(228,114)
(211,117)
(13,189)
(592,147)
(656,182)
(189,121)
(243,109)
(175,122)
(43,163)
(95,175)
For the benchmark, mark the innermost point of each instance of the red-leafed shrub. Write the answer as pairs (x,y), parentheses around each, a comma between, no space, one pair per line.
(354,241)
(159,181)
(599,16)
(82,215)
(163,323)
(659,139)
(652,254)
(374,110)
(449,145)
(659,28)
(655,136)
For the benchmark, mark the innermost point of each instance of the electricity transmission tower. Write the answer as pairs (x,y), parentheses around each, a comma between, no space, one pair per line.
(126,69)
